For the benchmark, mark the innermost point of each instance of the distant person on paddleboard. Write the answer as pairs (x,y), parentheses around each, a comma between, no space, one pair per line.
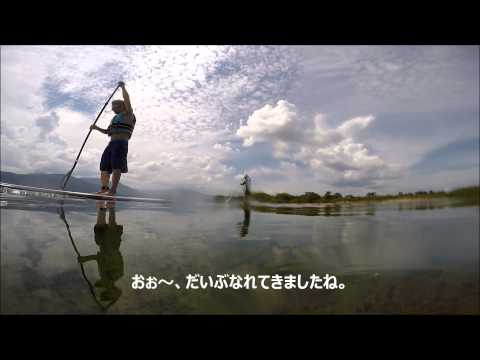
(114,157)
(246,183)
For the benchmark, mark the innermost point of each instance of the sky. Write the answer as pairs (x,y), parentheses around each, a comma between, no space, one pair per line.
(348,119)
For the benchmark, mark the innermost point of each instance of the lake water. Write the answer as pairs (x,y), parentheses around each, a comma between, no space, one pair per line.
(406,257)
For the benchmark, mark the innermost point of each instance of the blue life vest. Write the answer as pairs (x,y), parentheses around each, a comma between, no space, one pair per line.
(119,126)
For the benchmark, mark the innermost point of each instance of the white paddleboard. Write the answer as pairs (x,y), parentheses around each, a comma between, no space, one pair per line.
(80,194)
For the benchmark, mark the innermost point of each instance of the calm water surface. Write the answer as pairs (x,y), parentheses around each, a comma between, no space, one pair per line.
(394,258)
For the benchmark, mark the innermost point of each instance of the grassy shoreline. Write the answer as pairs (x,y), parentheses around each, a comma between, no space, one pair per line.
(471,194)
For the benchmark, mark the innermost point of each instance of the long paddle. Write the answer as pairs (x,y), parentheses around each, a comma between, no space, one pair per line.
(67,176)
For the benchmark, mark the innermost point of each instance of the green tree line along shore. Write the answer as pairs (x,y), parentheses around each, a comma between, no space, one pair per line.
(470,193)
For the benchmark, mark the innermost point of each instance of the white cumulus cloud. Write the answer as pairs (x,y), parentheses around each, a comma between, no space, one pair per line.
(332,153)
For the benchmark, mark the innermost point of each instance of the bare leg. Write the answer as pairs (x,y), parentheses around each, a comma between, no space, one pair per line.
(101,215)
(115,180)
(111,216)
(104,178)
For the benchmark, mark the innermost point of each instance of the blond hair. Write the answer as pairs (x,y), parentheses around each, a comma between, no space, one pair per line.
(118,102)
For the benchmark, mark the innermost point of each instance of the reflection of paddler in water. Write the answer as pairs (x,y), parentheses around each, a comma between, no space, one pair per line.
(243,226)
(245,204)
(109,258)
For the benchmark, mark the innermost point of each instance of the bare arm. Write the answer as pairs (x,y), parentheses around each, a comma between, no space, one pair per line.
(126,101)
(83,259)
(95,127)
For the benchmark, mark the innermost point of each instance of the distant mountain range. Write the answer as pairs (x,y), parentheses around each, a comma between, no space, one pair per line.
(90,185)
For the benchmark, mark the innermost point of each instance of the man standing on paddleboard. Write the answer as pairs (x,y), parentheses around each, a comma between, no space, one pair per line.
(246,182)
(114,157)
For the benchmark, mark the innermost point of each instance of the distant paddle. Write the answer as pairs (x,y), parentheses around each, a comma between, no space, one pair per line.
(69,174)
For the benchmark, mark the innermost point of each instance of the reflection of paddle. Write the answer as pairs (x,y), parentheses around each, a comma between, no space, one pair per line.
(90,286)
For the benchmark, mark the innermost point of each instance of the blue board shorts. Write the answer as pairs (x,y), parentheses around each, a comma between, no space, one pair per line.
(115,156)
